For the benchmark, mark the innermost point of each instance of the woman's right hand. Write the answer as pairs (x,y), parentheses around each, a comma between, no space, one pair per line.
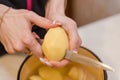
(16,31)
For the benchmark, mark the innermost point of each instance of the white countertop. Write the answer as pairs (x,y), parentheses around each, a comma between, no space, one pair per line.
(9,66)
(102,37)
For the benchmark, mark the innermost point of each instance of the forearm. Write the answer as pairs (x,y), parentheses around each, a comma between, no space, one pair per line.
(56,7)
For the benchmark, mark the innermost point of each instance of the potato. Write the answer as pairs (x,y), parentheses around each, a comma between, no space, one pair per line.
(48,73)
(64,70)
(55,44)
(74,73)
(35,77)
(67,78)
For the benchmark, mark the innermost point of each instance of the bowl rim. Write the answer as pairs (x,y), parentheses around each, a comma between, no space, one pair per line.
(105,72)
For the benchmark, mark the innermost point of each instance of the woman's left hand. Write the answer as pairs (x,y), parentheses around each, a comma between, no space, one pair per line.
(70,27)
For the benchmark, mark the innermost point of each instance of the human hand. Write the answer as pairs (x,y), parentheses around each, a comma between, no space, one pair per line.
(71,28)
(16,31)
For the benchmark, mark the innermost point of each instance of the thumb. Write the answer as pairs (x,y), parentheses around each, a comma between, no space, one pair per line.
(40,21)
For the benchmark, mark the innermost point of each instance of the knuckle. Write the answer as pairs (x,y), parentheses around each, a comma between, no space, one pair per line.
(18,47)
(72,27)
(74,23)
(38,51)
(10,51)
(78,42)
(22,10)
(38,54)
(27,41)
(30,13)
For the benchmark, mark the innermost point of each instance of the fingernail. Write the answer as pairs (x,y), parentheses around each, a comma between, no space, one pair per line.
(75,51)
(55,22)
(42,60)
(45,62)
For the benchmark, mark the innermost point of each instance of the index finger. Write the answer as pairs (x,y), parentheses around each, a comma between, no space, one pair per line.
(60,63)
(40,21)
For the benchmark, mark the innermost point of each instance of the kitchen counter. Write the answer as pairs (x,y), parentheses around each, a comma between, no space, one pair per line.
(102,37)
(9,66)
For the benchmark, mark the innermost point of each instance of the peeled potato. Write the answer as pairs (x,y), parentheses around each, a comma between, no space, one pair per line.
(67,78)
(74,73)
(55,44)
(35,77)
(48,73)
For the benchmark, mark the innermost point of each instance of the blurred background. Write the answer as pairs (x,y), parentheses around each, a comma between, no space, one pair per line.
(87,11)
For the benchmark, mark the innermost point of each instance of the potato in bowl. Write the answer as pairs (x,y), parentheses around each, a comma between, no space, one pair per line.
(33,69)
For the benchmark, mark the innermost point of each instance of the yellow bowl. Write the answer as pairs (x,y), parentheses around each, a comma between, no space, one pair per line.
(31,64)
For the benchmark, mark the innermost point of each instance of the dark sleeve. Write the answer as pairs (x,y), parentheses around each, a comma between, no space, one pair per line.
(7,3)
(2,50)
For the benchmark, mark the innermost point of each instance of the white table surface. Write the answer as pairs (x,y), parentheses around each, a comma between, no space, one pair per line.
(102,37)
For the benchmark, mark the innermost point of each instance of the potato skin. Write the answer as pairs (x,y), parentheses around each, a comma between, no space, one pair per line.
(55,44)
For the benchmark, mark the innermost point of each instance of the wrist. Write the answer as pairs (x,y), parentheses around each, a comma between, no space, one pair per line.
(3,10)
(55,7)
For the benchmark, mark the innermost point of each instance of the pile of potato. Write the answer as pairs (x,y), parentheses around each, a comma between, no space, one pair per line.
(69,72)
